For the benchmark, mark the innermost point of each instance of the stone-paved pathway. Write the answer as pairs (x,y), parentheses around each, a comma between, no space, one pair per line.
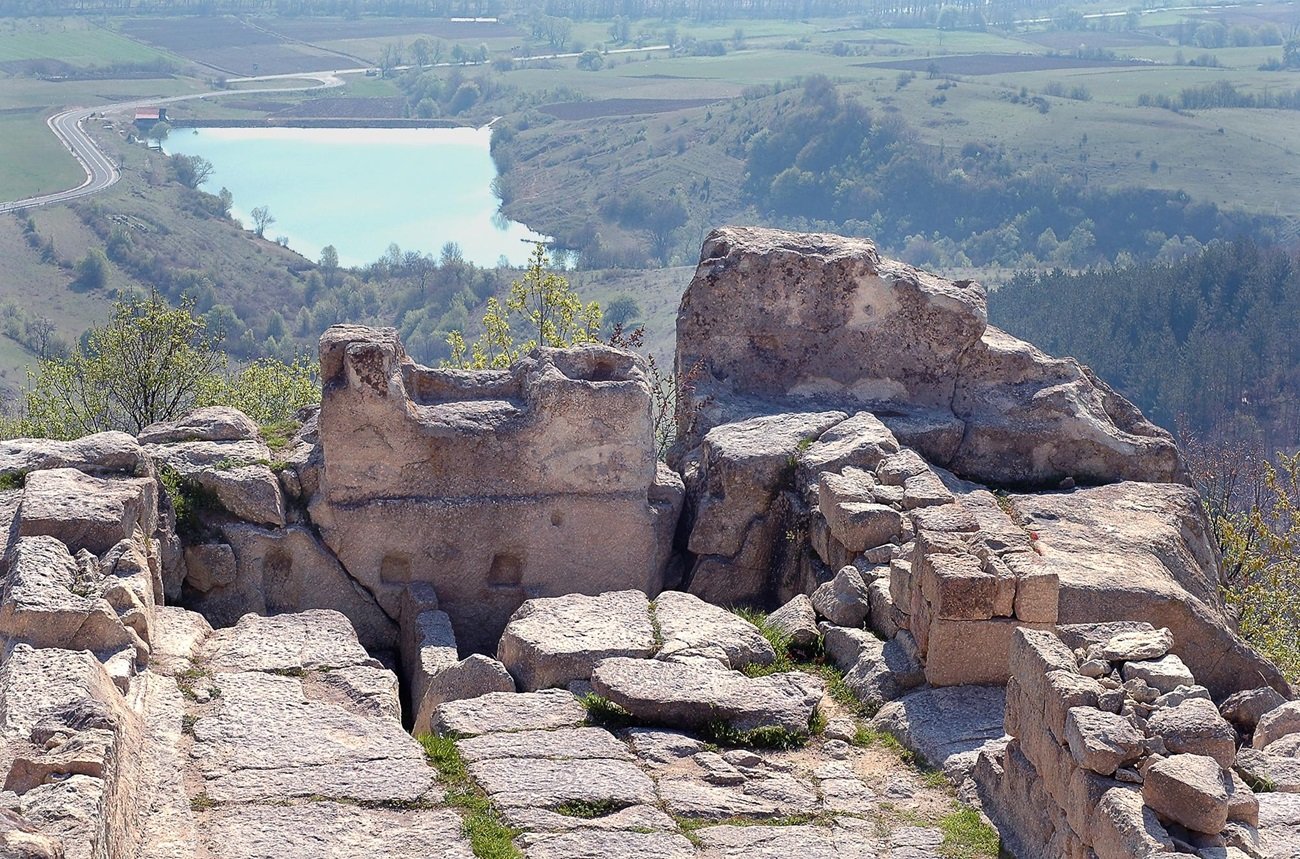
(577,791)
(280,738)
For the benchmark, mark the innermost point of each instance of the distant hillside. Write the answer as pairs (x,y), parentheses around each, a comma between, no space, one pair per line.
(1210,340)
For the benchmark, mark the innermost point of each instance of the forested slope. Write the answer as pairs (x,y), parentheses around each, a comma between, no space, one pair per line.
(1210,340)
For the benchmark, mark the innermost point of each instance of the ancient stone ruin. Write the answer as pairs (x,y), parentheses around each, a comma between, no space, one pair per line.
(216,649)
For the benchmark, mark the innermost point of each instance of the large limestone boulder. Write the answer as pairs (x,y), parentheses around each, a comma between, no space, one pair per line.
(99,454)
(553,641)
(690,696)
(776,318)
(212,423)
(235,471)
(86,512)
(496,485)
(1142,552)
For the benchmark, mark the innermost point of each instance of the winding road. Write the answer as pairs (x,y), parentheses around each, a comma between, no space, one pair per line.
(102,172)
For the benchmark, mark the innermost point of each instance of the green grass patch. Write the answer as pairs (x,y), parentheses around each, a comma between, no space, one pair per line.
(779,641)
(764,737)
(967,836)
(488,836)
(32,161)
(13,480)
(201,801)
(588,810)
(279,435)
(866,738)
(604,713)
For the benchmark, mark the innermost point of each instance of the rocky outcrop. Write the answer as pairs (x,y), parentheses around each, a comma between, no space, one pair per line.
(494,486)
(839,326)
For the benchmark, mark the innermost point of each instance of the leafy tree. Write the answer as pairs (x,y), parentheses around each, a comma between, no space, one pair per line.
(270,391)
(329,263)
(92,271)
(158,132)
(544,306)
(150,362)
(591,61)
(622,312)
(262,218)
(192,170)
(1254,508)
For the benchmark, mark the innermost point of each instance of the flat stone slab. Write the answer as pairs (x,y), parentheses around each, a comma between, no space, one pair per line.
(327,830)
(541,783)
(779,796)
(947,726)
(553,641)
(609,845)
(782,842)
(510,711)
(315,640)
(693,629)
(264,738)
(562,744)
(662,747)
(689,696)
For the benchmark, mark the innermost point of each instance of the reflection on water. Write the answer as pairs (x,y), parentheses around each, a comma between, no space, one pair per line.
(362,189)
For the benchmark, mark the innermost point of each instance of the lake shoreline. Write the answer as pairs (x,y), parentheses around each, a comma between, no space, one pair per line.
(319,122)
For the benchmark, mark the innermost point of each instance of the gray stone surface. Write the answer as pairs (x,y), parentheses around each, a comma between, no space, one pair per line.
(796,620)
(1166,673)
(510,711)
(559,744)
(1190,790)
(544,783)
(265,739)
(1277,723)
(780,795)
(287,643)
(1100,741)
(87,512)
(947,726)
(687,696)
(609,845)
(551,642)
(844,600)
(328,830)
(1195,727)
(692,629)
(1245,708)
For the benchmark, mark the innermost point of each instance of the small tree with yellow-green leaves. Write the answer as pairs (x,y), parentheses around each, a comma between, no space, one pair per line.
(541,310)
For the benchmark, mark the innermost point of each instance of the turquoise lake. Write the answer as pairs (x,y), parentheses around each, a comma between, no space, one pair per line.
(361,189)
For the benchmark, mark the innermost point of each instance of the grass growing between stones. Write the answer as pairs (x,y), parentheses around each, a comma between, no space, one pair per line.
(866,737)
(588,810)
(765,737)
(604,713)
(488,836)
(967,836)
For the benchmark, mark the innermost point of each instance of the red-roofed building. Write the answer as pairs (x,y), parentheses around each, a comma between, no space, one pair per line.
(148,116)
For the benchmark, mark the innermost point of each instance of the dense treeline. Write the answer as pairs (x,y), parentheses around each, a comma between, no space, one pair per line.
(1209,340)
(816,158)
(1221,94)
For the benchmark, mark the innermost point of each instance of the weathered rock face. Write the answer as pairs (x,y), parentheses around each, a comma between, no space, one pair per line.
(495,486)
(1142,552)
(839,326)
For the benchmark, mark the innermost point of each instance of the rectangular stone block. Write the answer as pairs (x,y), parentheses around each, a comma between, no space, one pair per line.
(1063,690)
(1037,588)
(958,588)
(1035,652)
(969,651)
